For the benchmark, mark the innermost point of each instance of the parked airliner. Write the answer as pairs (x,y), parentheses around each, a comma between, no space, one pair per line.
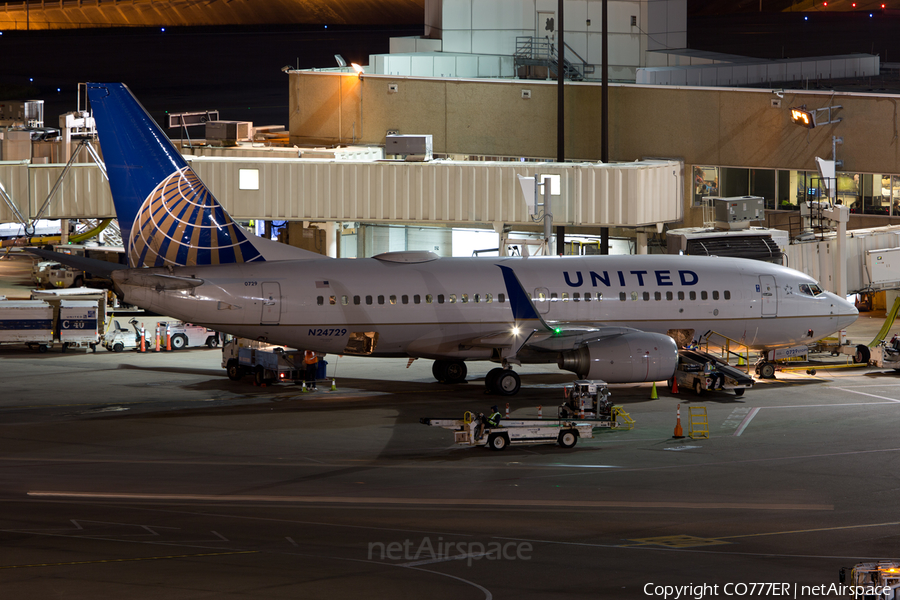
(602,317)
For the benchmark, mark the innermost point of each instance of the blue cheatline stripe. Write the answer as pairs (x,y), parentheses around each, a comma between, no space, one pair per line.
(15,324)
(522,307)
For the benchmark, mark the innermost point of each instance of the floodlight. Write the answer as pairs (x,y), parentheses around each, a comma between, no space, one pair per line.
(340,60)
(802,117)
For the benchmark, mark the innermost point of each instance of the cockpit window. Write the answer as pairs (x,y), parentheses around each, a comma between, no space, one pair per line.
(810,289)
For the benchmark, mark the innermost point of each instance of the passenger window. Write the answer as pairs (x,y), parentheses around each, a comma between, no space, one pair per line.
(416,299)
(476,298)
(693,296)
(565,296)
(345,300)
(587,297)
(356,299)
(380,299)
(599,296)
(622,296)
(332,299)
(440,298)
(657,295)
(727,295)
(320,300)
(463,298)
(646,296)
(393,299)
(452,298)
(540,297)
(704,295)
(669,296)
(404,299)
(576,297)
(501,298)
(681,295)
(488,298)
(553,297)
(368,299)
(428,298)
(715,294)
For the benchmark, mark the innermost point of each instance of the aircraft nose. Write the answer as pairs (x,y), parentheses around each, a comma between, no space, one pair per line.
(847,312)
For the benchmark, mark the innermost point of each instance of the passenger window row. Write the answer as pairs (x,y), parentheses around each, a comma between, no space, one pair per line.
(416,299)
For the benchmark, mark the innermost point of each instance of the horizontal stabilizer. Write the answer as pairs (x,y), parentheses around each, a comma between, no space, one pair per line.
(96,267)
(153,278)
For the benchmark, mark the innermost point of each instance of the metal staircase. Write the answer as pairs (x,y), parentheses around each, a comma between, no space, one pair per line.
(533,51)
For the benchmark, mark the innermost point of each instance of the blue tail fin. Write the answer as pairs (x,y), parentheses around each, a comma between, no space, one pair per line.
(166,214)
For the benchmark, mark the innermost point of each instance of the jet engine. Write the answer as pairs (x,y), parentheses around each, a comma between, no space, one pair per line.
(627,358)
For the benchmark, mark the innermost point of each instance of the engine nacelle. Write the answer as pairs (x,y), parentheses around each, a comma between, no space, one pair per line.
(627,358)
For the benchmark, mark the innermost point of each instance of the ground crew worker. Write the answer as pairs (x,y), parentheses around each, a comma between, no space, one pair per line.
(311,360)
(493,420)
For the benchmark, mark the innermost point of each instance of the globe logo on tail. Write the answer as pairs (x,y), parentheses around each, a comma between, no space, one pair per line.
(182,224)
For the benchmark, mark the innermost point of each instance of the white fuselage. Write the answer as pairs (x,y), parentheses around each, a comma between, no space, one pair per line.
(442,307)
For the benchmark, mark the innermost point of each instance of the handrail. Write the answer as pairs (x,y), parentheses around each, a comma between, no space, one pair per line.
(726,349)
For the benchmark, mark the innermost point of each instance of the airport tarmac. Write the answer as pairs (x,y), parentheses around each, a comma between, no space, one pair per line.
(141,476)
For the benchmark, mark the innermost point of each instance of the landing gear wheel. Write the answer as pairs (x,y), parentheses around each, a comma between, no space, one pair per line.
(698,387)
(739,392)
(490,380)
(179,342)
(497,441)
(439,370)
(567,439)
(234,370)
(455,372)
(508,383)
(766,370)
(862,355)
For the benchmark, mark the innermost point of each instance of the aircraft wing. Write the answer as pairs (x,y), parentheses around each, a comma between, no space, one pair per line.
(98,268)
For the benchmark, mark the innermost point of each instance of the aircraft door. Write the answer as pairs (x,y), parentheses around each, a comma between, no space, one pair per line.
(769,295)
(271,303)
(541,300)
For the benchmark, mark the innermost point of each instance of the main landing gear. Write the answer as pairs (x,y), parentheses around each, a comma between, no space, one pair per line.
(503,382)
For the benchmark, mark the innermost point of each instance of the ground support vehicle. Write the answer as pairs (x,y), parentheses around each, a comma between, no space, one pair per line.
(691,373)
(40,324)
(872,580)
(470,431)
(265,362)
(181,335)
(52,274)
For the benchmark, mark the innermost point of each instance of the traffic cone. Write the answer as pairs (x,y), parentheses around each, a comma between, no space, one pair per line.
(157,337)
(741,360)
(507,410)
(679,433)
(303,389)
(143,339)
(540,412)
(653,395)
(168,339)
(674,385)
(333,385)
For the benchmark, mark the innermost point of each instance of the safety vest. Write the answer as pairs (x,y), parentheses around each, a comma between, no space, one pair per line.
(310,358)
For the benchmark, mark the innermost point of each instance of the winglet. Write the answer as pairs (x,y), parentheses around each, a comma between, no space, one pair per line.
(522,307)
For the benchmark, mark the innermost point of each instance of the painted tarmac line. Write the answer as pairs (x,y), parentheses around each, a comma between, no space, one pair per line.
(495,502)
(867,394)
(745,422)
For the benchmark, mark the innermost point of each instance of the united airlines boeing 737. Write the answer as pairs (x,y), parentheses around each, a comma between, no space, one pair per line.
(602,317)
